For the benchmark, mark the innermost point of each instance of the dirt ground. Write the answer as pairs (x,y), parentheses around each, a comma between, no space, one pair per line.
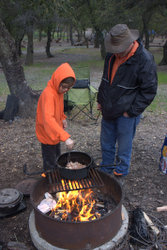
(145,186)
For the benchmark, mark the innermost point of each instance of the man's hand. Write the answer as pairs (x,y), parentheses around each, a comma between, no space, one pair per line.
(99,106)
(125,114)
(64,124)
(69,143)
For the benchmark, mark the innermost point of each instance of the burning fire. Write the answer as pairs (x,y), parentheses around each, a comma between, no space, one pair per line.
(76,205)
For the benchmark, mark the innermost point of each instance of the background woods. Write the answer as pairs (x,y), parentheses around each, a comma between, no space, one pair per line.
(22,22)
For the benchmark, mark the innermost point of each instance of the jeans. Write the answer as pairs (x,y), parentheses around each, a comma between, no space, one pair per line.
(50,153)
(120,131)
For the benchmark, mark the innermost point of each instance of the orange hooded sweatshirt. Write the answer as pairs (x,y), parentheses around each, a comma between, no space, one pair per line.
(50,109)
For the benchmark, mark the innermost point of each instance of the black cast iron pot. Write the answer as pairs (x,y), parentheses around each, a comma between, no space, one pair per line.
(10,200)
(81,157)
(74,156)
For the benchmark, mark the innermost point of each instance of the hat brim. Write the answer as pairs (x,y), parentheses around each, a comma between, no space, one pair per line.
(121,47)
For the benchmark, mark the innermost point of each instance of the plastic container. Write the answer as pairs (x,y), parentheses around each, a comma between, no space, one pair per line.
(163,158)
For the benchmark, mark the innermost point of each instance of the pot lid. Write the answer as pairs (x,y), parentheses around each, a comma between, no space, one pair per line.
(9,196)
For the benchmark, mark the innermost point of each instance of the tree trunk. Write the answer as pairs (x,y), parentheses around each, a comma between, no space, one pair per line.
(145,31)
(18,45)
(164,59)
(40,35)
(98,33)
(68,34)
(29,57)
(86,40)
(14,74)
(79,35)
(71,36)
(49,40)
(146,19)
(147,43)
(18,40)
(97,38)
(102,49)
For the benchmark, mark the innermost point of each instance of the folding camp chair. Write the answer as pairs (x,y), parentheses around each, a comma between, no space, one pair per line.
(81,99)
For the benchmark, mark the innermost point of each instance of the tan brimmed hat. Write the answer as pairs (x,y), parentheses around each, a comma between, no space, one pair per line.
(120,38)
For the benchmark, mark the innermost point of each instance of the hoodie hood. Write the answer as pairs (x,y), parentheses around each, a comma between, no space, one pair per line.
(62,72)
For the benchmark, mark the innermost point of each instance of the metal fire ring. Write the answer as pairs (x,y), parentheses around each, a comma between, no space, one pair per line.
(77,235)
(9,196)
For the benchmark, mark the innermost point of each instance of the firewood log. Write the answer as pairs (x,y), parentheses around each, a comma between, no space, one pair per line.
(163,208)
(151,224)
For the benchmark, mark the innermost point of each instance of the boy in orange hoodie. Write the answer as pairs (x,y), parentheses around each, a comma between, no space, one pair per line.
(50,119)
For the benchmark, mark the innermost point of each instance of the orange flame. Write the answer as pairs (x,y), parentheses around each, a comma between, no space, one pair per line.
(76,204)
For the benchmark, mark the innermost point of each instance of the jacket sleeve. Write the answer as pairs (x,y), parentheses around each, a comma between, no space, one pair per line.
(53,129)
(147,81)
(104,80)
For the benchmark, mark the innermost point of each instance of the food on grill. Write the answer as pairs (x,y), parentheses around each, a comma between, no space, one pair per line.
(75,165)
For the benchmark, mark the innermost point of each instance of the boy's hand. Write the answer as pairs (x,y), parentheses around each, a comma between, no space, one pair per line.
(69,143)
(64,124)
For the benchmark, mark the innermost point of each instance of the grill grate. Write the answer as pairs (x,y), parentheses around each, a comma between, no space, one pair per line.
(61,185)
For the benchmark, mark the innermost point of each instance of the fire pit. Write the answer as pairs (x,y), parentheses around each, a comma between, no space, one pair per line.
(79,235)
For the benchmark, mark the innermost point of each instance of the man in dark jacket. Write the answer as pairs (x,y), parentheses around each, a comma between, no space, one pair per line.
(128,86)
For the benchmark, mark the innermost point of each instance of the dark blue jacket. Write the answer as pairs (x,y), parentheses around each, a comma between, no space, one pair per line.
(133,88)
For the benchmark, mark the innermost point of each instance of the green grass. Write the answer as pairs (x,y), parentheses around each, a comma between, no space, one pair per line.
(91,64)
(82,51)
(3,85)
(158,53)
(38,75)
(162,77)
(159,104)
